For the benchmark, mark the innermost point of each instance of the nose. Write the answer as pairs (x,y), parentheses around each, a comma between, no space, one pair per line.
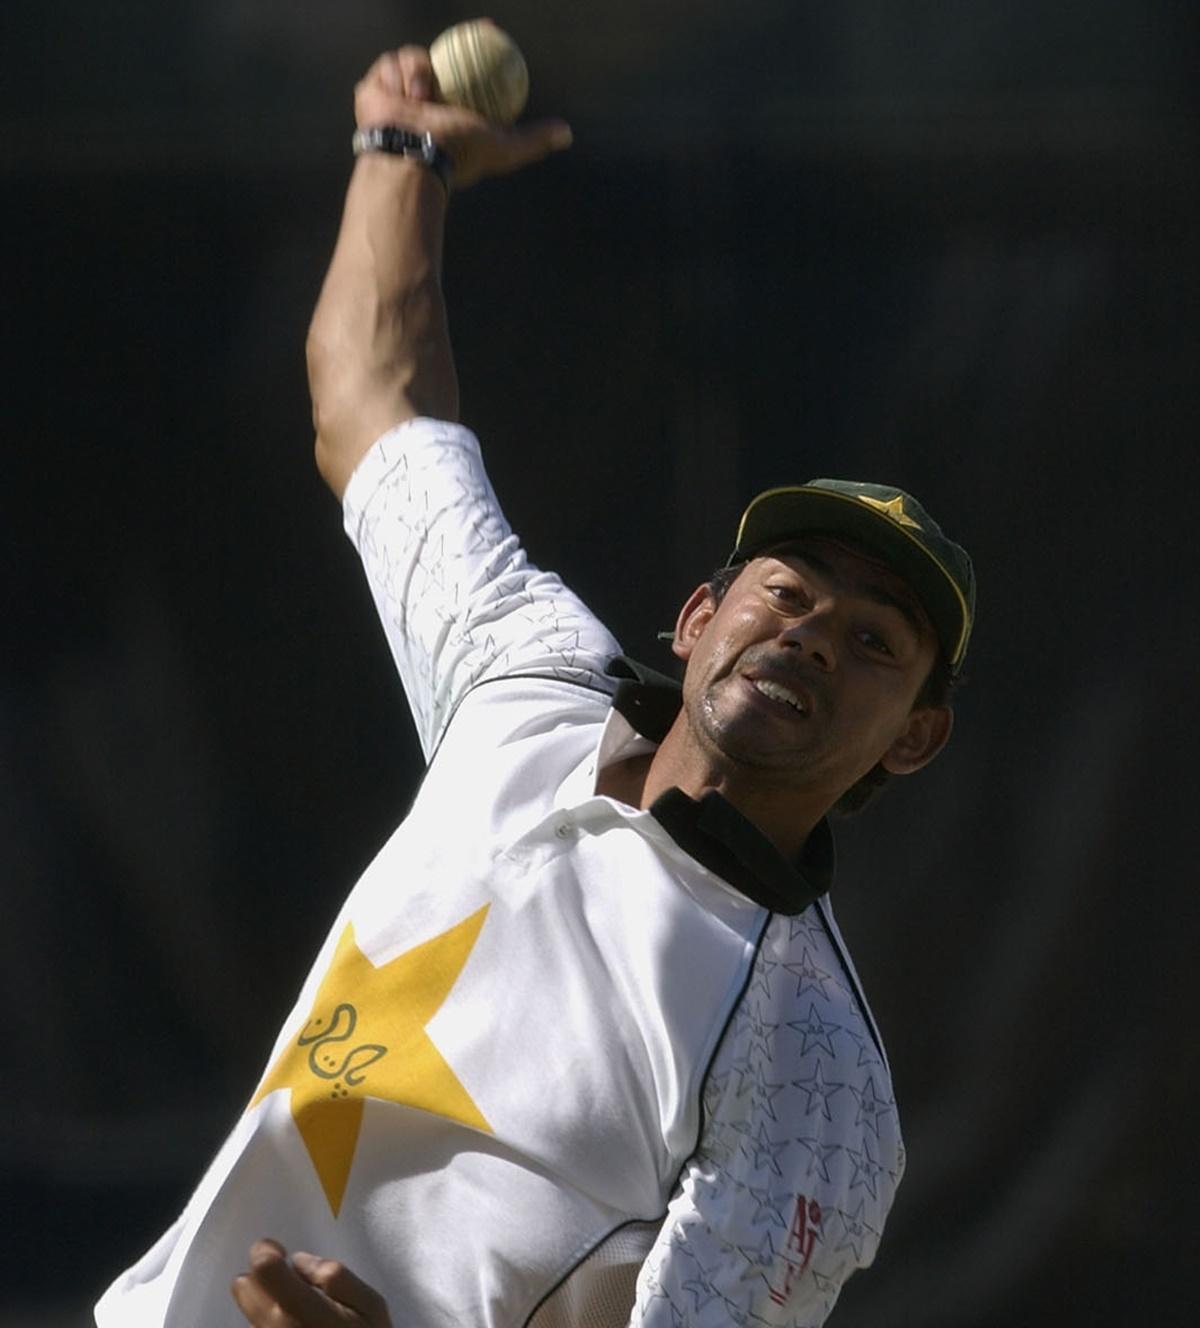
(813,635)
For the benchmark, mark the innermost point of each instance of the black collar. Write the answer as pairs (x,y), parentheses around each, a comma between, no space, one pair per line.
(711,829)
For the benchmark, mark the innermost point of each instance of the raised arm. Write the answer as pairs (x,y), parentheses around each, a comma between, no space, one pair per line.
(459,601)
(379,347)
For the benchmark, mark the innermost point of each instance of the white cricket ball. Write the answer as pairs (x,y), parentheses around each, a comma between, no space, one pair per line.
(479,66)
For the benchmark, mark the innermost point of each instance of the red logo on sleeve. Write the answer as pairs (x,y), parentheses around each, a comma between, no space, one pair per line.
(802,1235)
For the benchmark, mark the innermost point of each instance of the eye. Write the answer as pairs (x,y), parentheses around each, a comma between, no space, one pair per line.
(786,593)
(875,643)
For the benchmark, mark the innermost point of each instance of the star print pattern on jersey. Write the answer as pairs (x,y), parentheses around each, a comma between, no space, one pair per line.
(800,1152)
(366,1038)
(446,568)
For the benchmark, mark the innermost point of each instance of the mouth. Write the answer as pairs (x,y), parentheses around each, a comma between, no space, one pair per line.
(781,695)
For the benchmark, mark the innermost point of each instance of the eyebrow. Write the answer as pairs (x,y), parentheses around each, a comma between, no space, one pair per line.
(868,589)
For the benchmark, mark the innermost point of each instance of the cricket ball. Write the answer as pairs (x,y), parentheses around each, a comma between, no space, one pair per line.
(479,66)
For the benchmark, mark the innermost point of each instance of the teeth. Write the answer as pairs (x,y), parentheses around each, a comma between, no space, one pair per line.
(777,692)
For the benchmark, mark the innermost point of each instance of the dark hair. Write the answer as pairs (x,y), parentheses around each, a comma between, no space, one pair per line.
(936,690)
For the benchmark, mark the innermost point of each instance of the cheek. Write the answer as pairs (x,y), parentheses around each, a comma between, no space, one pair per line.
(879,709)
(708,663)
(703,666)
(894,721)
(724,651)
(729,633)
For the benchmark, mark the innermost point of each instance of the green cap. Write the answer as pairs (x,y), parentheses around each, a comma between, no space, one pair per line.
(887,520)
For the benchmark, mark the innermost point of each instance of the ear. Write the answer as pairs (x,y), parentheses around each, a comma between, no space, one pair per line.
(693,618)
(925,734)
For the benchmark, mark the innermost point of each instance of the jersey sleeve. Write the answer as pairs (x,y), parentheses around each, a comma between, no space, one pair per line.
(459,601)
(742,1255)
(799,1157)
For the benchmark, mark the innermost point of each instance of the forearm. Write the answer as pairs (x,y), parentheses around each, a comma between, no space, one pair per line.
(379,347)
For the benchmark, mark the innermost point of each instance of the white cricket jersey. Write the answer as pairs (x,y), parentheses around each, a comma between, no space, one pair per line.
(560,1061)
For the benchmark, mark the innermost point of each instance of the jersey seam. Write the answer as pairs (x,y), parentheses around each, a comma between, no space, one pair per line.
(720,1038)
(855,987)
(702,1083)
(506,677)
(577,1259)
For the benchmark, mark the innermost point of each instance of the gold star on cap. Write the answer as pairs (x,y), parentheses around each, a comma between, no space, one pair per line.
(366,1038)
(893,508)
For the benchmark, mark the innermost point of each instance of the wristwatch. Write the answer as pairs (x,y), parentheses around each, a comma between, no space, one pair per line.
(404,143)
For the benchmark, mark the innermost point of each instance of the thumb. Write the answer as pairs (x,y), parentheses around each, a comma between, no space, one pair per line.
(479,150)
(532,142)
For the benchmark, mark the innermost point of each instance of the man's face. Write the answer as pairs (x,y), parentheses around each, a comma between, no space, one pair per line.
(808,670)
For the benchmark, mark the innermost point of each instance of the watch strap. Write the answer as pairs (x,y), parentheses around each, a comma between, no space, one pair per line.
(404,143)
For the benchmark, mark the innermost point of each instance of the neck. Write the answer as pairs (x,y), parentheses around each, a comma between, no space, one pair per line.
(786,815)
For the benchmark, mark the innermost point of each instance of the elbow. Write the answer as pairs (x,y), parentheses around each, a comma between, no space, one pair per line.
(328,462)
(327,451)
(350,409)
(346,426)
(356,399)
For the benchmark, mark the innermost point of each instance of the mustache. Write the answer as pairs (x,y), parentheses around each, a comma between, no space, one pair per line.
(772,662)
(783,666)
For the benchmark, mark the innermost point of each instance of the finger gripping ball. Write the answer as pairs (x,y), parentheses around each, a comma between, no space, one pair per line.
(479,66)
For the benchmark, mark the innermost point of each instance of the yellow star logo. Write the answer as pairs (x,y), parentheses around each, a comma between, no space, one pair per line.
(366,1038)
(893,507)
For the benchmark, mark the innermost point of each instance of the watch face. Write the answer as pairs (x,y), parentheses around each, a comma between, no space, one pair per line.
(408,144)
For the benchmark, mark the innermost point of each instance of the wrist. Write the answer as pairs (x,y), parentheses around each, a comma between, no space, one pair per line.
(397,141)
(402,189)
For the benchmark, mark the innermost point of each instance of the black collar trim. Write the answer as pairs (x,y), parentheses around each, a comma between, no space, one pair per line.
(711,829)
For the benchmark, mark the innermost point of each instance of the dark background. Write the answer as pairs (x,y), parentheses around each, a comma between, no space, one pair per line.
(947,246)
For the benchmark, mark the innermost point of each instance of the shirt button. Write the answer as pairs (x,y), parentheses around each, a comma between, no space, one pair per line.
(563,831)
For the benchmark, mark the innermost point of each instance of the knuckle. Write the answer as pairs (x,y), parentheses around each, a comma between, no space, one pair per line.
(263,1255)
(331,1270)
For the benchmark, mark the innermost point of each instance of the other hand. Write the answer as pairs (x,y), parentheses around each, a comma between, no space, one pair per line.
(304,1292)
(400,88)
